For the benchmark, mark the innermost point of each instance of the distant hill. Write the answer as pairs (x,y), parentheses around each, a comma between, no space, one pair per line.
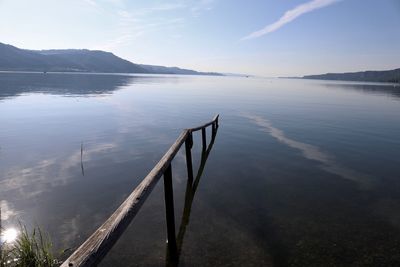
(364,76)
(175,70)
(77,60)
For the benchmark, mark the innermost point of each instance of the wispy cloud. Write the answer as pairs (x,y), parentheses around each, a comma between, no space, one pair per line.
(289,16)
(119,41)
(130,33)
(200,6)
(165,7)
(133,23)
(91,2)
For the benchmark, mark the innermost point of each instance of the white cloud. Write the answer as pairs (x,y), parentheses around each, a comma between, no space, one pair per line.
(289,16)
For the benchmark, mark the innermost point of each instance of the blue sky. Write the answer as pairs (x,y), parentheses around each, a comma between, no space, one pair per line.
(262,37)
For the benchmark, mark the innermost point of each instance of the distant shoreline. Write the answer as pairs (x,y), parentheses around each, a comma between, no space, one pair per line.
(385,76)
(344,81)
(104,73)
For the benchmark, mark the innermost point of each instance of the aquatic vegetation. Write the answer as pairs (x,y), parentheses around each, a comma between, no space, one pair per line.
(4,257)
(29,249)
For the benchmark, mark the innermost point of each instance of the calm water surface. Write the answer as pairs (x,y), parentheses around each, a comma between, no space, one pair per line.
(302,173)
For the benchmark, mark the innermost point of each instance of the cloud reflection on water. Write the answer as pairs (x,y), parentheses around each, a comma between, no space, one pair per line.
(328,162)
(6,211)
(42,176)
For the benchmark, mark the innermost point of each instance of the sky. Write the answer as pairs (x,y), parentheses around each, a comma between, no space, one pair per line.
(259,37)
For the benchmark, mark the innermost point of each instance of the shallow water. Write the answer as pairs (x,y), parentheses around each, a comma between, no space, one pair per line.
(302,173)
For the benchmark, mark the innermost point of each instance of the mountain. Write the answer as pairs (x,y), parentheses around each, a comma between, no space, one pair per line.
(175,70)
(15,59)
(77,60)
(364,76)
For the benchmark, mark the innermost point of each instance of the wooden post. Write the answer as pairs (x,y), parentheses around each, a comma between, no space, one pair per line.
(169,209)
(203,138)
(189,165)
(213,129)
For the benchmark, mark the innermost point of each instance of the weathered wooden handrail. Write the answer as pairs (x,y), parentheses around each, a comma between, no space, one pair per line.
(93,250)
(191,187)
(214,120)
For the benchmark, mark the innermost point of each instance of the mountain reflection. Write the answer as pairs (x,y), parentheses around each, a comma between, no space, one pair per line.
(391,90)
(15,84)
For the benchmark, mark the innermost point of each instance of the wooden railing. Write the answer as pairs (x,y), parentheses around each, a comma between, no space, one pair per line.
(93,250)
(172,258)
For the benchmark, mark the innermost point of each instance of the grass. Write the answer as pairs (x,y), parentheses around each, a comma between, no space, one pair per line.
(28,250)
(4,257)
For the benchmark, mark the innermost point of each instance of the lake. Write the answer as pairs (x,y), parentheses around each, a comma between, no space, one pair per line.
(302,172)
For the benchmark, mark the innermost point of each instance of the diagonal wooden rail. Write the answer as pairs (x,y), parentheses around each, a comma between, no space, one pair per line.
(93,250)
